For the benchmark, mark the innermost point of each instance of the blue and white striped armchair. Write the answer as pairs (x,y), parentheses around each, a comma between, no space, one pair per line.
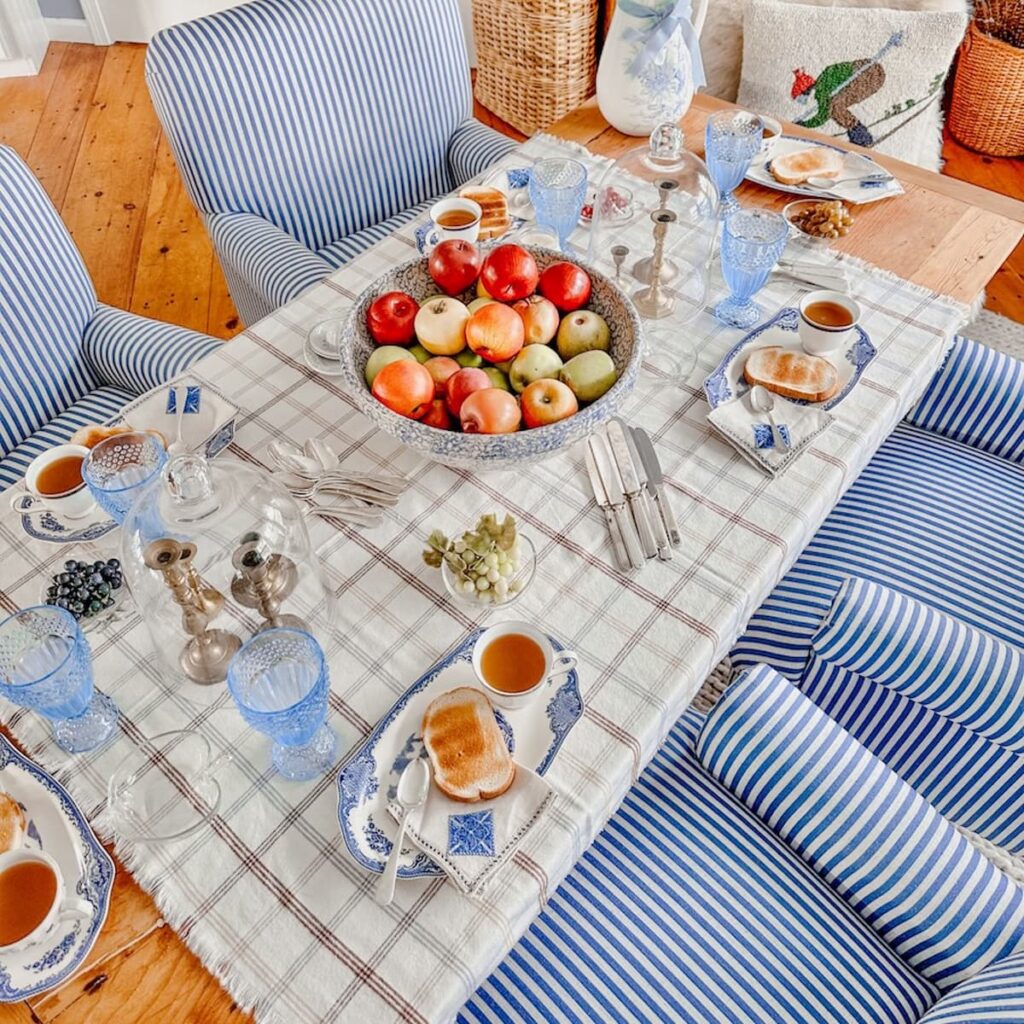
(65,359)
(307,130)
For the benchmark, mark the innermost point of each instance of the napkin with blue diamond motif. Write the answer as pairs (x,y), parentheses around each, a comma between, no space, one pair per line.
(470,841)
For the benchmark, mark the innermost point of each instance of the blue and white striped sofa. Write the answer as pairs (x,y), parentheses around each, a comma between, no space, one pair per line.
(65,359)
(307,130)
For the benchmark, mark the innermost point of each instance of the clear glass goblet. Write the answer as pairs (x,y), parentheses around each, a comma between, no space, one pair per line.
(752,242)
(280,683)
(46,665)
(731,140)
(118,469)
(558,188)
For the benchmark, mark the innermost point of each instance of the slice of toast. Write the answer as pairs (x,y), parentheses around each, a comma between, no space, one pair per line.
(494,216)
(12,823)
(813,162)
(467,750)
(792,374)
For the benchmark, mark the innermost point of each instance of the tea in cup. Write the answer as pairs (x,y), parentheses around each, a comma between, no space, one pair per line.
(827,320)
(33,899)
(54,481)
(514,662)
(454,217)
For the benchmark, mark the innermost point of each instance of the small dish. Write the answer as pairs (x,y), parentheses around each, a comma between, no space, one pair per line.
(795,209)
(50,527)
(318,364)
(90,623)
(485,600)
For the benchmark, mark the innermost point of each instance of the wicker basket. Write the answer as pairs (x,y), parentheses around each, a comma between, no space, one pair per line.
(535,58)
(986,111)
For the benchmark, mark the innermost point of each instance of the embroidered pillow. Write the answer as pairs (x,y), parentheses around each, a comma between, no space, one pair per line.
(868,76)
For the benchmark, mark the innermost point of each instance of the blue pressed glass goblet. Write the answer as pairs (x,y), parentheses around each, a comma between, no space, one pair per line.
(731,140)
(752,242)
(118,469)
(46,665)
(558,188)
(280,683)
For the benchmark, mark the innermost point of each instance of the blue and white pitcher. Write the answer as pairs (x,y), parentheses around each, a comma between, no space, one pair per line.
(651,65)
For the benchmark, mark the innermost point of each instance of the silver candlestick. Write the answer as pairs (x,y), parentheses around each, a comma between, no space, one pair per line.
(653,302)
(669,270)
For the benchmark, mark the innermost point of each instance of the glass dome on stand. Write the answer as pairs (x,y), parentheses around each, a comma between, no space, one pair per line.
(654,226)
(213,553)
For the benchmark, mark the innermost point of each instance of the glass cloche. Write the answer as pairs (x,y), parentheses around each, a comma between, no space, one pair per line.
(655,218)
(213,553)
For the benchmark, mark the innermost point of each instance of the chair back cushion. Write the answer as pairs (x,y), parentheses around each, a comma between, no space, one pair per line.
(321,116)
(993,996)
(945,909)
(46,299)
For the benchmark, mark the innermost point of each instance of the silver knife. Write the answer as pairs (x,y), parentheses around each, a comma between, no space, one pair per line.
(656,482)
(617,499)
(632,486)
(605,505)
(664,548)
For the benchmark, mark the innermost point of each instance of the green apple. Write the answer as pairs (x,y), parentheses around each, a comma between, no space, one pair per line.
(419,353)
(498,379)
(506,364)
(380,357)
(467,357)
(534,362)
(582,331)
(479,303)
(589,375)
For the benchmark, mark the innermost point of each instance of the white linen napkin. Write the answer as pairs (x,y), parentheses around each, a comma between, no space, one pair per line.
(750,432)
(471,841)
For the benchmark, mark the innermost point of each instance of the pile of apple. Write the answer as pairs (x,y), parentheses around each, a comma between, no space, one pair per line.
(523,352)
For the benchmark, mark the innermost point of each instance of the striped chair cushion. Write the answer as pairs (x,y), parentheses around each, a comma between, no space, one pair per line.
(993,996)
(686,908)
(888,853)
(46,299)
(338,253)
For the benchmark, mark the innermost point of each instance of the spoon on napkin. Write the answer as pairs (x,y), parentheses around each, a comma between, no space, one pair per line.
(413,786)
(763,401)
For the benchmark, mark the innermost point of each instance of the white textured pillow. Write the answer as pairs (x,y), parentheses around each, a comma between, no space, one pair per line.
(872,77)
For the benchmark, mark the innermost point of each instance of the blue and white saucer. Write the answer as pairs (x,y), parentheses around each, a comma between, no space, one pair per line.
(369,777)
(57,826)
(64,531)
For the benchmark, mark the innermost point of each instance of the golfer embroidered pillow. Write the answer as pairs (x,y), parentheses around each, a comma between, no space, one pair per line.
(869,76)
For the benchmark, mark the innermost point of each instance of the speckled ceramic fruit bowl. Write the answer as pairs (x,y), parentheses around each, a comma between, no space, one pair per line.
(493,451)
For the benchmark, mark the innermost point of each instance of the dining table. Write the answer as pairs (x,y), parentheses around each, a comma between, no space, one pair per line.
(265,913)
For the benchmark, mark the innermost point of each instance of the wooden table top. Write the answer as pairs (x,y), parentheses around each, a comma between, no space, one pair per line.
(943,234)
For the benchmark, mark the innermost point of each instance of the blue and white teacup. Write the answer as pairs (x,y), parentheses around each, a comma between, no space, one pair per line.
(453,217)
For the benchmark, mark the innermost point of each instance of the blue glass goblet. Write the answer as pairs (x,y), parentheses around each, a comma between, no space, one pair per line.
(46,665)
(731,140)
(118,469)
(558,188)
(752,242)
(280,683)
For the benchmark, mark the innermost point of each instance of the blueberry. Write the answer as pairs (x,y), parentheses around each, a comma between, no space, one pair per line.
(51,591)
(70,566)
(81,593)
(94,606)
(103,590)
(63,577)
(82,566)
(77,606)
(115,582)
(95,578)
(114,563)
(51,600)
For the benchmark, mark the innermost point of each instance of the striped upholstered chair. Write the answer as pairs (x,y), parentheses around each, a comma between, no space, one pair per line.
(307,130)
(65,359)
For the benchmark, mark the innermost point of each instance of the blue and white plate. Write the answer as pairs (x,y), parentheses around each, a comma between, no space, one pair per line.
(369,778)
(727,383)
(64,531)
(57,826)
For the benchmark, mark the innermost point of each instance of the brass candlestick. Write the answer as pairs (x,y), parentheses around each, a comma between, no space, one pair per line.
(205,658)
(653,302)
(642,269)
(263,581)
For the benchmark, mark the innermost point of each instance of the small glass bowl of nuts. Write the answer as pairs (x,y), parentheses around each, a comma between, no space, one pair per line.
(820,220)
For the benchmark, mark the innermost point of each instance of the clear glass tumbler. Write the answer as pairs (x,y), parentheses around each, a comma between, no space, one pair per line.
(558,188)
(118,469)
(279,681)
(752,242)
(46,665)
(731,140)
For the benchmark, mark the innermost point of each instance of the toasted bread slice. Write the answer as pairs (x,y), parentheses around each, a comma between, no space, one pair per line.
(792,374)
(813,162)
(467,750)
(494,219)
(12,823)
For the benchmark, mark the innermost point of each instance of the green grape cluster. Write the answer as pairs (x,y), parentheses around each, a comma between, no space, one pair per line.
(483,562)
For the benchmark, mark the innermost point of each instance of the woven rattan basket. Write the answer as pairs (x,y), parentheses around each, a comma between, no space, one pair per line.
(986,111)
(535,58)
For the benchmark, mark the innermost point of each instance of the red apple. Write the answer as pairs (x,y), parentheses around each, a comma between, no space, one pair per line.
(391,318)
(438,415)
(547,401)
(462,384)
(495,332)
(566,285)
(455,265)
(509,273)
(491,411)
(540,319)
(441,368)
(405,387)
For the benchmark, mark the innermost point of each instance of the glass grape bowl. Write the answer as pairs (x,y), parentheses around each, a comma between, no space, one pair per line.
(521,568)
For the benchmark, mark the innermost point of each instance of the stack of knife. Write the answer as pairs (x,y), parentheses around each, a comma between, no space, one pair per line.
(630,490)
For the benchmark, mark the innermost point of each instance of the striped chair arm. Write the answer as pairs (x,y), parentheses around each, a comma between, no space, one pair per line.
(977,398)
(473,148)
(137,354)
(889,854)
(993,996)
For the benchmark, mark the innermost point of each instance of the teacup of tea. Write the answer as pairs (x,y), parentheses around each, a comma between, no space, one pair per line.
(826,321)
(54,480)
(33,899)
(515,662)
(453,217)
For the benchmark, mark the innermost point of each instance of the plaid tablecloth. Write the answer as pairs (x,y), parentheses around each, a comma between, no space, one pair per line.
(268,897)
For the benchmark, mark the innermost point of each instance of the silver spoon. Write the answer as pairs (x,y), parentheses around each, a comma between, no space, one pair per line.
(413,786)
(763,401)
(293,459)
(314,448)
(864,179)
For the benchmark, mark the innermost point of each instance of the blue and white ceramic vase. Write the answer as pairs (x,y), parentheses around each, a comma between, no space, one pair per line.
(650,66)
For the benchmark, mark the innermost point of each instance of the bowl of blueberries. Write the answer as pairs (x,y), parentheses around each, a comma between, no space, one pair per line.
(91,591)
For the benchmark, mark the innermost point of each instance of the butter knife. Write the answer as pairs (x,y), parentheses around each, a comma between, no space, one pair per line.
(656,482)
(632,486)
(664,546)
(617,499)
(605,505)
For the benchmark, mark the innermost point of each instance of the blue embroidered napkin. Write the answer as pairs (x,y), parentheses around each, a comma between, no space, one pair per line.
(471,841)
